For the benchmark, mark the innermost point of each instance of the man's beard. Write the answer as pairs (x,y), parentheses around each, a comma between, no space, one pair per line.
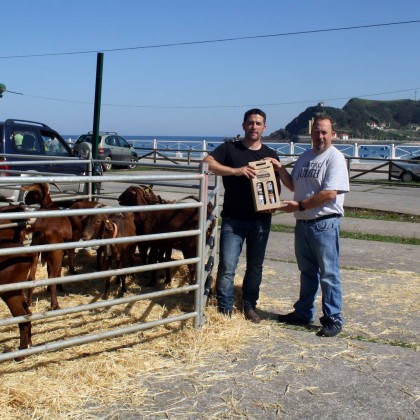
(319,147)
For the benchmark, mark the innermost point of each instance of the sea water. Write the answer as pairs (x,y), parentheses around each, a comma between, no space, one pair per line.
(196,146)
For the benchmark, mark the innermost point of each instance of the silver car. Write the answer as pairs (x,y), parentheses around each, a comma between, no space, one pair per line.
(111,147)
(406,171)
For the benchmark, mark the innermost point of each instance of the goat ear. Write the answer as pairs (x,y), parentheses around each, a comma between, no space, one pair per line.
(45,188)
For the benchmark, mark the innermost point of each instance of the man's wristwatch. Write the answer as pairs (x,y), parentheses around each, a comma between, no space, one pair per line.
(301,206)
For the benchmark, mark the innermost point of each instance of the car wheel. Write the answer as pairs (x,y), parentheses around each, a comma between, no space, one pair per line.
(107,165)
(133,159)
(406,177)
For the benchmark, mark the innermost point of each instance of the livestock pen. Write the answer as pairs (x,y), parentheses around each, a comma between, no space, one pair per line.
(191,298)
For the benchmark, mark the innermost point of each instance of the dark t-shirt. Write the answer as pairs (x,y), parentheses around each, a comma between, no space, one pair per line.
(238,202)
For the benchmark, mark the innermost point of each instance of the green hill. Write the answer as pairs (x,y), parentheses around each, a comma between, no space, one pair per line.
(361,118)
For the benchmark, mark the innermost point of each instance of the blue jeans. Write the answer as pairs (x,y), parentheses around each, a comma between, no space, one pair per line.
(233,234)
(317,254)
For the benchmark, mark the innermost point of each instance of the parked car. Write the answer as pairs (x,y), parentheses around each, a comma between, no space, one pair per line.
(111,147)
(22,140)
(406,171)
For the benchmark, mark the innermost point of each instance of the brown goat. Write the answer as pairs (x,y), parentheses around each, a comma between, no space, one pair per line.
(78,223)
(55,230)
(15,269)
(164,221)
(102,226)
(47,231)
(14,233)
(154,251)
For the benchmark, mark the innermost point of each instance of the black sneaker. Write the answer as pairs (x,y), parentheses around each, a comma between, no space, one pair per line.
(226,312)
(292,319)
(330,329)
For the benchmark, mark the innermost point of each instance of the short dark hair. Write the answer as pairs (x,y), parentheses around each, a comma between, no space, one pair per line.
(254,111)
(324,117)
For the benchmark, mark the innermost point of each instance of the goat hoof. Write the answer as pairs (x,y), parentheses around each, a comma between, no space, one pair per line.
(20,358)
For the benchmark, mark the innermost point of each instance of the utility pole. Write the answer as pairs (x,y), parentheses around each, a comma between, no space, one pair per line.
(97,107)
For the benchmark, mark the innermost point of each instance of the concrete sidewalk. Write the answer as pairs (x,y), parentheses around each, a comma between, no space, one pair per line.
(370,371)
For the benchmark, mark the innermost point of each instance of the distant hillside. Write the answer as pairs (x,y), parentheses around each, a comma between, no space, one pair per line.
(361,118)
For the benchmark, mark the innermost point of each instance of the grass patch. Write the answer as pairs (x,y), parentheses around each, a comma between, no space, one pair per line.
(389,216)
(395,343)
(381,181)
(360,213)
(379,238)
(282,228)
(357,235)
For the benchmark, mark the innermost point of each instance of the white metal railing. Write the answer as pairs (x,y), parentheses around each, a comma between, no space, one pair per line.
(198,149)
(204,260)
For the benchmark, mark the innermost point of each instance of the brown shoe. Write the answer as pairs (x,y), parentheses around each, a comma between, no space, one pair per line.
(252,316)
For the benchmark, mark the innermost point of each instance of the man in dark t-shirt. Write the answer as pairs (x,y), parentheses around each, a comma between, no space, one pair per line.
(240,221)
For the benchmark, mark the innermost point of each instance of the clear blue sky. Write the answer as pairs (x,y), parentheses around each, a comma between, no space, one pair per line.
(201,89)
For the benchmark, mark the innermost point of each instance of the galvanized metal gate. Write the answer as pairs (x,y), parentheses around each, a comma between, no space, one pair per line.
(205,260)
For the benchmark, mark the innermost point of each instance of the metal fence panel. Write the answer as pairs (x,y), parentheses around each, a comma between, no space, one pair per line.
(204,260)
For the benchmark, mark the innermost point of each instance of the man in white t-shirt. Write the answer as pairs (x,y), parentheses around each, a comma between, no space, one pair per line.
(319,180)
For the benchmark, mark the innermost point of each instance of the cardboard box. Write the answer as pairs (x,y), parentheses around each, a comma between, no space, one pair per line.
(264,186)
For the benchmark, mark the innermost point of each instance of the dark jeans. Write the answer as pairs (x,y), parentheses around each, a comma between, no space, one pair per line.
(234,233)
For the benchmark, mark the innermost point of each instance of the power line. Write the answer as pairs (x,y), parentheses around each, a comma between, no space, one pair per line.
(221,106)
(179,44)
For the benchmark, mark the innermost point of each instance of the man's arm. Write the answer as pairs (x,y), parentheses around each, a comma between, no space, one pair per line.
(319,198)
(223,170)
(285,177)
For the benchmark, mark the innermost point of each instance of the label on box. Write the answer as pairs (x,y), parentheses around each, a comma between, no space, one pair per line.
(264,186)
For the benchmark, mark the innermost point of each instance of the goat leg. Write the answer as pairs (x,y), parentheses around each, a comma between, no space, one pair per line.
(71,261)
(18,307)
(52,289)
(31,277)
(105,296)
(121,279)
(54,271)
